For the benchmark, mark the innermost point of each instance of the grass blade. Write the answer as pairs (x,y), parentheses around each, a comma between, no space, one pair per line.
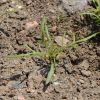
(44,30)
(47,33)
(27,55)
(82,40)
(51,73)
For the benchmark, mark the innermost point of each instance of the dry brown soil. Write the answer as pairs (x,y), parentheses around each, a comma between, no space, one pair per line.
(77,76)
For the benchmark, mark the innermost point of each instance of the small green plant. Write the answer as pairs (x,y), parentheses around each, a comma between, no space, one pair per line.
(50,50)
(95,12)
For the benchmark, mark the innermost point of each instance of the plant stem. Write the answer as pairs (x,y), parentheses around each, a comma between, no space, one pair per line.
(82,40)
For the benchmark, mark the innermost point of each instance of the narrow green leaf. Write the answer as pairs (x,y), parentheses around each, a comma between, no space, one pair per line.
(27,55)
(87,38)
(47,33)
(50,74)
(82,40)
(42,29)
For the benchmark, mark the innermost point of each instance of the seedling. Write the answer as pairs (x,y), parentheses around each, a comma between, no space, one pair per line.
(51,50)
(95,12)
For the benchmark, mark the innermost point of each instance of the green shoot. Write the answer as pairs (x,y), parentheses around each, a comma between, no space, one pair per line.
(51,73)
(51,50)
(95,12)
(97,6)
(34,53)
(45,36)
(82,40)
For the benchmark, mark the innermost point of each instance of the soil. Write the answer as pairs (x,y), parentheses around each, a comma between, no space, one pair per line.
(77,76)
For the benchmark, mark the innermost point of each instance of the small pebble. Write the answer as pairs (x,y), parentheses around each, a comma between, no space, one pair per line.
(75,98)
(84,65)
(85,73)
(69,68)
(3,1)
(20,97)
(73,6)
(81,81)
(30,25)
(61,41)
(54,29)
(56,83)
(93,84)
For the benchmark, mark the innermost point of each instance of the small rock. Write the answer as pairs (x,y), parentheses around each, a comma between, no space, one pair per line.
(73,6)
(20,97)
(93,84)
(85,85)
(10,83)
(85,73)
(30,25)
(56,83)
(61,41)
(54,29)
(69,68)
(84,65)
(75,98)
(73,56)
(51,10)
(61,56)
(29,2)
(80,97)
(19,41)
(57,89)
(3,1)
(19,6)
(81,81)
(34,77)
(98,51)
(15,84)
(31,90)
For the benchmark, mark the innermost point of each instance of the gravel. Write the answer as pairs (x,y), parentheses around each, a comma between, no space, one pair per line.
(85,73)
(74,5)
